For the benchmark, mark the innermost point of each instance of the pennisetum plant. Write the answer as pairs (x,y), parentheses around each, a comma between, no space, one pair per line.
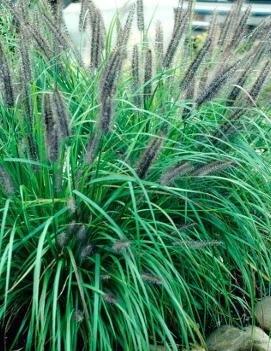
(192,69)
(134,190)
(26,72)
(217,84)
(51,128)
(148,74)
(177,34)
(135,65)
(6,79)
(140,15)
(175,172)
(148,157)
(6,182)
(159,44)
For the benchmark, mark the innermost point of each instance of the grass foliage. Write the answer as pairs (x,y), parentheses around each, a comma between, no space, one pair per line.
(135,192)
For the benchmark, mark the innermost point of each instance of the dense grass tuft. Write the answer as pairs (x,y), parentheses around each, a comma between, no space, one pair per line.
(135,191)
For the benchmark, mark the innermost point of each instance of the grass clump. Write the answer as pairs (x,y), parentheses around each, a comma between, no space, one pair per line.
(135,191)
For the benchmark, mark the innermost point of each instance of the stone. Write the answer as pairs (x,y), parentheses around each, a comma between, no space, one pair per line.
(257,340)
(226,338)
(229,338)
(162,348)
(263,312)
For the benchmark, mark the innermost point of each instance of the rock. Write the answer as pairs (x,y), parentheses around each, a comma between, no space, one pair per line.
(227,338)
(263,312)
(162,348)
(257,340)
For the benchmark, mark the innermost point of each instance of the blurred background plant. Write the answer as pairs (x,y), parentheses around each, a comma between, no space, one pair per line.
(135,191)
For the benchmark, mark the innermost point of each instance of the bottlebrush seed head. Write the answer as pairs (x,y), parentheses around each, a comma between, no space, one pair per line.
(105,277)
(56,32)
(72,228)
(218,82)
(6,79)
(61,114)
(148,74)
(196,244)
(240,28)
(83,15)
(177,34)
(71,204)
(178,14)
(181,169)
(257,86)
(81,234)
(151,279)
(26,72)
(6,183)
(140,15)
(110,298)
(51,129)
(159,41)
(192,69)
(232,97)
(124,34)
(92,147)
(97,42)
(185,227)
(106,114)
(121,246)
(78,316)
(110,75)
(62,239)
(148,157)
(213,167)
(87,251)
(41,42)
(135,64)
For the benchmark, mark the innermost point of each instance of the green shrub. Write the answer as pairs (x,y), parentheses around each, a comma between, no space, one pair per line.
(135,192)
